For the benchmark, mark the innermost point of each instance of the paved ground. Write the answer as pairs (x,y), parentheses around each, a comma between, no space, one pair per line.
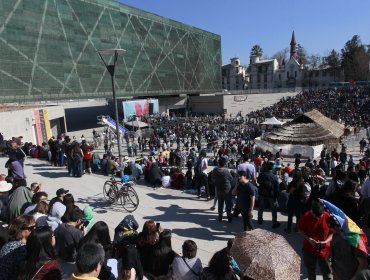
(187,216)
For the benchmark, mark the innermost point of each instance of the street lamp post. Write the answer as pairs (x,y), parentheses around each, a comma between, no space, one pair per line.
(113,53)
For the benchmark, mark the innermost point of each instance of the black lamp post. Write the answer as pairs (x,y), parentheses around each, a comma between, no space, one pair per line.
(113,54)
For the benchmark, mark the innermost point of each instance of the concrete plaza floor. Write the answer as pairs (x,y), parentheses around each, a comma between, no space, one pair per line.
(187,216)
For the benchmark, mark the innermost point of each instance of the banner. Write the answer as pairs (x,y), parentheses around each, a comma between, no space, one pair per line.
(43,126)
(38,127)
(47,124)
(43,131)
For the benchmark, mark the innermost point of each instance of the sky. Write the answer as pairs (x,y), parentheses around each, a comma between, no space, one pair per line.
(319,25)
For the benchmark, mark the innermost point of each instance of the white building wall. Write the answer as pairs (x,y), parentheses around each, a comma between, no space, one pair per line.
(21,122)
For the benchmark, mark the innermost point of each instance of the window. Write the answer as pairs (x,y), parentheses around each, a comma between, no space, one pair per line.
(258,78)
(265,86)
(324,73)
(279,77)
(287,75)
(295,74)
(236,70)
(317,74)
(259,69)
(265,78)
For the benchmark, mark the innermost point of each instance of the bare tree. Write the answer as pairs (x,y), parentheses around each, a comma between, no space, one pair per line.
(281,55)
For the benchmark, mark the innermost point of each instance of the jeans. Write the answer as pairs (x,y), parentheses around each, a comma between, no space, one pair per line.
(70,166)
(310,263)
(294,208)
(61,158)
(263,201)
(247,221)
(202,180)
(77,167)
(227,200)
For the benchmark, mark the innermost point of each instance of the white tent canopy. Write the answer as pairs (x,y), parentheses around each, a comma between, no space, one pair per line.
(272,121)
(138,124)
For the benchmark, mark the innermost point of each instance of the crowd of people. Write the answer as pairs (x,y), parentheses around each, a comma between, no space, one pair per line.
(209,156)
(50,239)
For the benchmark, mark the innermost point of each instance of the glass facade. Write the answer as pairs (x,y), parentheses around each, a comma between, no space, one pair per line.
(48,52)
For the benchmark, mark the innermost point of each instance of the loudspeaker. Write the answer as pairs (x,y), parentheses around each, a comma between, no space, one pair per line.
(151,108)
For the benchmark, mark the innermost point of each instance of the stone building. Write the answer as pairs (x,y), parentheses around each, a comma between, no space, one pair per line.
(234,75)
(271,73)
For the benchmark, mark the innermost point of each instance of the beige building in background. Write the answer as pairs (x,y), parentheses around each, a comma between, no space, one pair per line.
(269,73)
(234,75)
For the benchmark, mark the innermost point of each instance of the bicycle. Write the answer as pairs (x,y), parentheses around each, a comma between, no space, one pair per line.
(123,192)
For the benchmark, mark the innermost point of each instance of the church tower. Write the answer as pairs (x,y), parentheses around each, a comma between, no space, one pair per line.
(293,48)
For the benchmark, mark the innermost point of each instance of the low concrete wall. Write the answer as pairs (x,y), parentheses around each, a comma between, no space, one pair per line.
(311,152)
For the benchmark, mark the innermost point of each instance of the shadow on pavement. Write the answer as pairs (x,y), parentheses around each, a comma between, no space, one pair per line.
(210,228)
(100,205)
(49,174)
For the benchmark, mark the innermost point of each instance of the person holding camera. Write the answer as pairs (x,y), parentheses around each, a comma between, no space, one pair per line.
(69,234)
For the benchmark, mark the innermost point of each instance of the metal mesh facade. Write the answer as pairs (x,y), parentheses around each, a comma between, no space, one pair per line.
(48,52)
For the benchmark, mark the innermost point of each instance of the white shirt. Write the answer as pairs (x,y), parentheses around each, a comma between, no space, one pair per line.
(204,165)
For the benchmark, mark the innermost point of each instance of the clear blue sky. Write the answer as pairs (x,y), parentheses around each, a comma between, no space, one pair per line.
(319,25)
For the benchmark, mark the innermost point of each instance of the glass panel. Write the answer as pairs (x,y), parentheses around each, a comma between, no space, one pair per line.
(48,50)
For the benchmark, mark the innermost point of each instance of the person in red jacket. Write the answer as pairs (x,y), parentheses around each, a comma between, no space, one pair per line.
(313,225)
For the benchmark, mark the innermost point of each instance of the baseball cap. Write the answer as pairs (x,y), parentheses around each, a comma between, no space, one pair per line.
(61,191)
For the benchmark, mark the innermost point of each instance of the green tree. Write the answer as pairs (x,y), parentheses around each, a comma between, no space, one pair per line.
(355,60)
(257,50)
(333,61)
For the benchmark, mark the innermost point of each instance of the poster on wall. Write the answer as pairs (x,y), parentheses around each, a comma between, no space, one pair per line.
(47,124)
(38,127)
(141,107)
(43,132)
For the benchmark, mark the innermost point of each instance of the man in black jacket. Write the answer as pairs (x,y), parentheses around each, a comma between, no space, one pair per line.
(222,181)
(268,193)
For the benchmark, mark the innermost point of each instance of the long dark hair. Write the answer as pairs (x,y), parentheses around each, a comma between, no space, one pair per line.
(163,254)
(131,259)
(39,251)
(220,264)
(99,233)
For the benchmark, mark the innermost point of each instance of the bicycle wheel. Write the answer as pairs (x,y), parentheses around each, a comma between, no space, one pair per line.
(129,199)
(110,191)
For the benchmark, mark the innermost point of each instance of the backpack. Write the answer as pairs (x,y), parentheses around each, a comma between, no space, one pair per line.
(125,234)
